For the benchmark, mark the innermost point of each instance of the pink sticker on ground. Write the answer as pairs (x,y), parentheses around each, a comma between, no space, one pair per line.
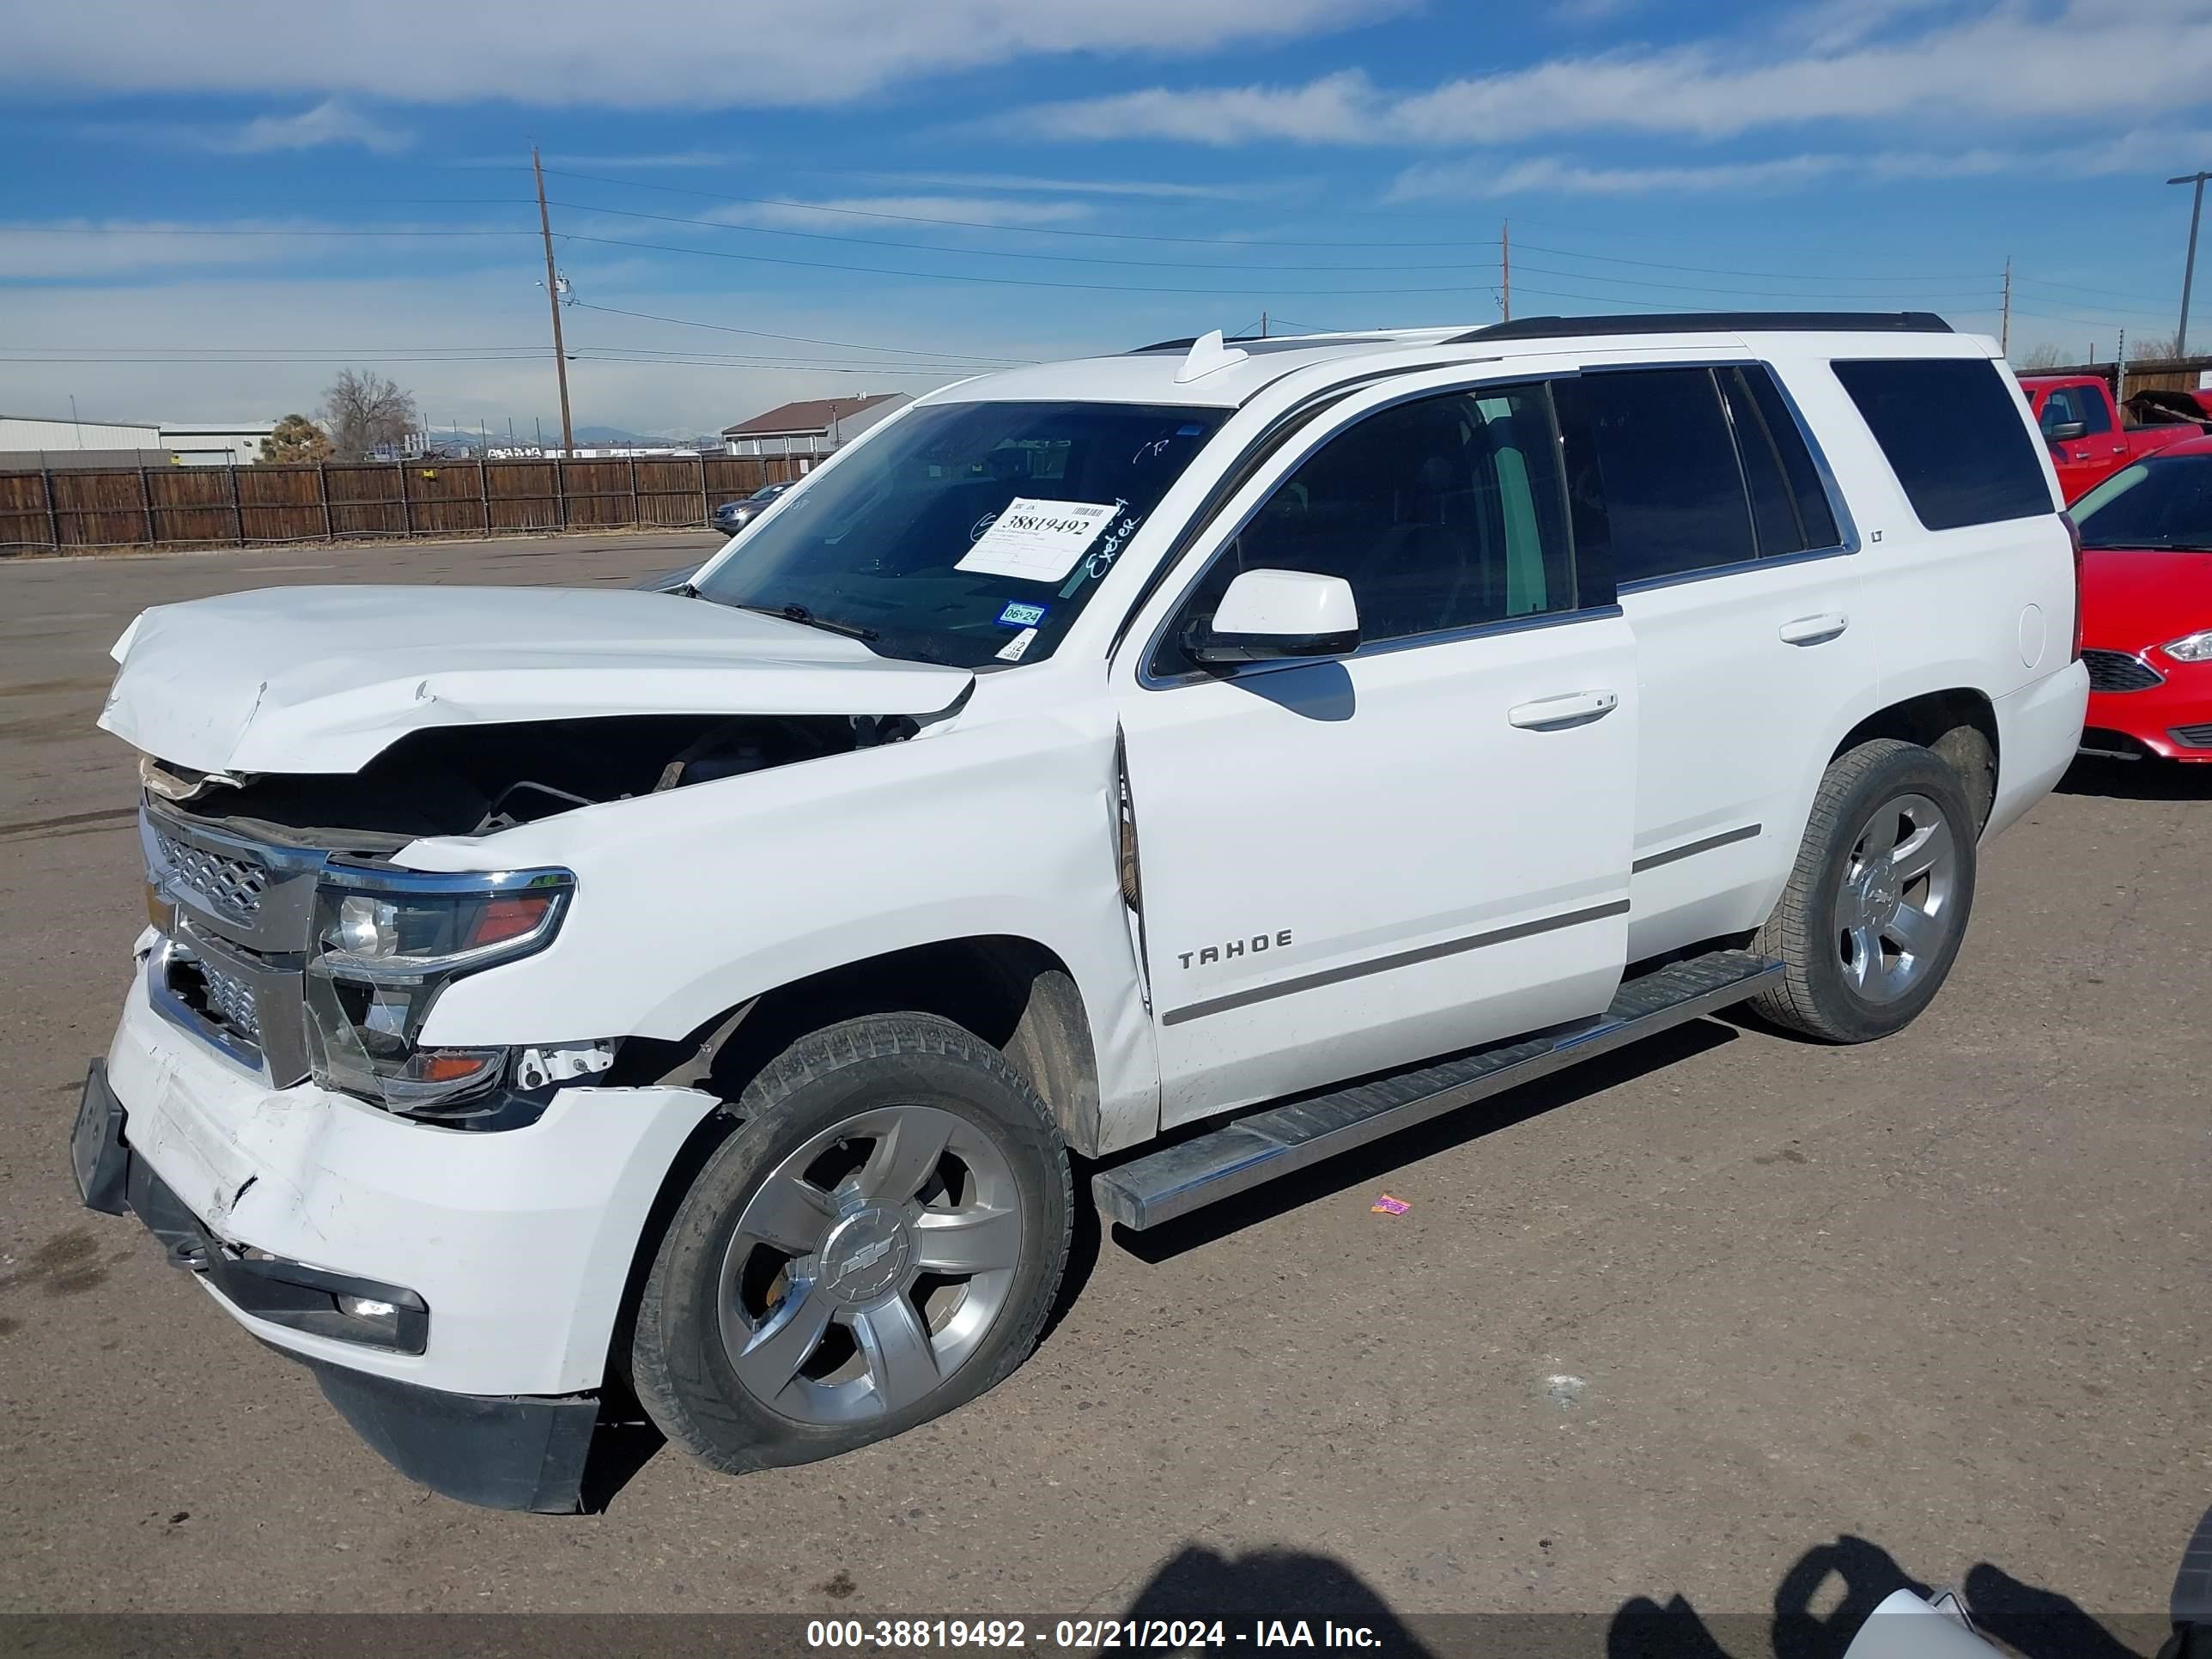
(1387,1204)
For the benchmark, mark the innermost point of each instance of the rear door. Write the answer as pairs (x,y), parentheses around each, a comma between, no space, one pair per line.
(1351,864)
(1698,485)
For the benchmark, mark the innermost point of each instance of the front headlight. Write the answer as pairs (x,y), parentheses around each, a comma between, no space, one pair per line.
(386,944)
(2190,647)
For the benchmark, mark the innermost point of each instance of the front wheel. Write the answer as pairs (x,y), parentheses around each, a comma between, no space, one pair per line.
(1876,906)
(878,1242)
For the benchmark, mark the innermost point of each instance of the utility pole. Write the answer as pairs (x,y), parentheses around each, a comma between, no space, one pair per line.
(2120,379)
(553,299)
(2004,322)
(1505,267)
(2188,269)
(1263,325)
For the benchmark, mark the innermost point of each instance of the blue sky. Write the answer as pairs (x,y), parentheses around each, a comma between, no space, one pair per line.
(227,202)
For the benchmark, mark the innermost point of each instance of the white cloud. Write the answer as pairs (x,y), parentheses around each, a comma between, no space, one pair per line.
(92,250)
(330,122)
(2089,59)
(1161,189)
(578,52)
(1485,177)
(848,215)
(1582,13)
(1556,175)
(646,161)
(1343,108)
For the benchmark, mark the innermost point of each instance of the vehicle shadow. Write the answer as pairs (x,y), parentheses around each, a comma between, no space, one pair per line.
(2139,780)
(1202,1584)
(1455,1128)
(1824,1600)
(1819,1607)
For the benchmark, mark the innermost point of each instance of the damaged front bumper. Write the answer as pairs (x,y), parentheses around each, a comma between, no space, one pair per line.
(455,1293)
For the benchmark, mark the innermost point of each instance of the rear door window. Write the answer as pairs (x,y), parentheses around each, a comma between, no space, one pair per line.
(1789,506)
(1953,434)
(1652,473)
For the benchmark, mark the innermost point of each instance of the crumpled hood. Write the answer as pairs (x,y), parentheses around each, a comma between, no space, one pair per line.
(323,679)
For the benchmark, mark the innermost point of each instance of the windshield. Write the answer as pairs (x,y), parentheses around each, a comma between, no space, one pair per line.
(909,541)
(2164,501)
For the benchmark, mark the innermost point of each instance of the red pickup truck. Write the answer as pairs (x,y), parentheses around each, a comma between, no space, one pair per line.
(2092,437)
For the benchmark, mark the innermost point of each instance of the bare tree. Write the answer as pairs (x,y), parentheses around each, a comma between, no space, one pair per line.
(361,409)
(2045,356)
(2149,347)
(295,438)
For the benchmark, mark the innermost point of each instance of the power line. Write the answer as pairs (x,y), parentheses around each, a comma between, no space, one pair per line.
(1708,287)
(1003,253)
(2083,288)
(1720,270)
(999,281)
(800,339)
(2092,305)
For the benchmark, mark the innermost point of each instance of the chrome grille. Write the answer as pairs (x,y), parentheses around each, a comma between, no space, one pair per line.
(2116,670)
(230,999)
(231,885)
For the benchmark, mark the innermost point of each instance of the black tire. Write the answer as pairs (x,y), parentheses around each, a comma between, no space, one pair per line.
(680,1365)
(1807,931)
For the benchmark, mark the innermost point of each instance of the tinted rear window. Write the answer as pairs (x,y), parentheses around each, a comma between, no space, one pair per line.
(1952,435)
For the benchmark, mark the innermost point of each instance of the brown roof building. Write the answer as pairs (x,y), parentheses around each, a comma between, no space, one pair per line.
(814,427)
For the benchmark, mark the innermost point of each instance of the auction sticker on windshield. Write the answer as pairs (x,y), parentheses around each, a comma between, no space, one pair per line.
(1038,541)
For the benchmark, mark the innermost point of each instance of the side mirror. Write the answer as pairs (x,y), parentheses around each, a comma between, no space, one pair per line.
(2066,431)
(1267,615)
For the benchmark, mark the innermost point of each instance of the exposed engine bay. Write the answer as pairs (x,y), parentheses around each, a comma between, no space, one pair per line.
(479,780)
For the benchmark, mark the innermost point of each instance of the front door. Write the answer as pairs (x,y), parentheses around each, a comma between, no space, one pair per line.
(1353,864)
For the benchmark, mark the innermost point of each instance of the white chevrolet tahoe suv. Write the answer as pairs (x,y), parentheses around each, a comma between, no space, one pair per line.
(1252,748)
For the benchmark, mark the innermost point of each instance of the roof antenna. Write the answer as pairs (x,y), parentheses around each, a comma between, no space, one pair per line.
(1207,354)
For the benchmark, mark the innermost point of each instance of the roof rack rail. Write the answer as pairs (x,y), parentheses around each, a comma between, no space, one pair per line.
(1701,322)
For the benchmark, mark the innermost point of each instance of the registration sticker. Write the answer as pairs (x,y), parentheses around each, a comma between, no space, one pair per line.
(1038,541)
(1013,649)
(1018,615)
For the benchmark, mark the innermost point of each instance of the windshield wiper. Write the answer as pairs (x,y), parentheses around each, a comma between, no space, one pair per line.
(799,613)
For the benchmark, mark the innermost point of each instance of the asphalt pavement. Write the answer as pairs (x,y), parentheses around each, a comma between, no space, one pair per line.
(1657,1342)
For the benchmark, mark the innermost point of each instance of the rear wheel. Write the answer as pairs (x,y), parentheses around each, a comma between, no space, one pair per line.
(1877,905)
(878,1242)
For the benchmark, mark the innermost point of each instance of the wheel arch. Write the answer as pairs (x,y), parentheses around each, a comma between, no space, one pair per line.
(1014,992)
(1959,723)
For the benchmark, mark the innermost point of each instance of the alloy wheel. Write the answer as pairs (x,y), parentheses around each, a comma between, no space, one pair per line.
(869,1265)
(1895,909)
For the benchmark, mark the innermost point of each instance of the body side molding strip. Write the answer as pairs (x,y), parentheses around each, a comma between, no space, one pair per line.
(1383,964)
(1691,849)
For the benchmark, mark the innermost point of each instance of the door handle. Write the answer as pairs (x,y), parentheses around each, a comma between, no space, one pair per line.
(1814,630)
(1575,708)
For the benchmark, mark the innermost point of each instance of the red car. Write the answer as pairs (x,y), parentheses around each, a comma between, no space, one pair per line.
(2146,606)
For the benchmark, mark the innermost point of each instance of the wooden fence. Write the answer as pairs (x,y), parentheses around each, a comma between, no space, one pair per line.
(62,509)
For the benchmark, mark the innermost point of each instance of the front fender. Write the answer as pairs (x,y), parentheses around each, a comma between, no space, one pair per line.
(691,902)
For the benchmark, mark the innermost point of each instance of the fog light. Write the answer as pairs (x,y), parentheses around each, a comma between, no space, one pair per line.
(363,1307)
